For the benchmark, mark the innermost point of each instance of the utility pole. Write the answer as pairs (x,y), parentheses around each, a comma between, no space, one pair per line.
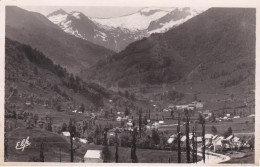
(179,139)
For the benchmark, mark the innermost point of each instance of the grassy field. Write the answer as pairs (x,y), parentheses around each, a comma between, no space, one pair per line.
(52,145)
(144,155)
(239,126)
(56,146)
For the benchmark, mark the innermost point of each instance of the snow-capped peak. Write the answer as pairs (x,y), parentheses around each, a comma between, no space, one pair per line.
(76,14)
(136,21)
(57,12)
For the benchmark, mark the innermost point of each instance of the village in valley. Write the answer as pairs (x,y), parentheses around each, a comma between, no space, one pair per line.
(185,94)
(88,132)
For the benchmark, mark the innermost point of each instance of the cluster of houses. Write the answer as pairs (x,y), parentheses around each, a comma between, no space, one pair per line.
(192,106)
(215,142)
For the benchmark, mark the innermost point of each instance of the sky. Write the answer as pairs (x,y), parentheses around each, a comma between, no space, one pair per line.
(94,11)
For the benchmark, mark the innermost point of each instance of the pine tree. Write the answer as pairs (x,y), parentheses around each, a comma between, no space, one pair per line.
(116,154)
(140,124)
(187,140)
(149,114)
(203,141)
(5,148)
(133,148)
(41,152)
(105,151)
(72,130)
(193,145)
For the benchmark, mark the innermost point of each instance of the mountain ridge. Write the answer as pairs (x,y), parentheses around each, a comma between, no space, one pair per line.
(36,30)
(104,32)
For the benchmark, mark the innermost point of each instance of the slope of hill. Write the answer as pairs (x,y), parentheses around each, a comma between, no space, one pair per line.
(33,82)
(116,33)
(36,30)
(211,52)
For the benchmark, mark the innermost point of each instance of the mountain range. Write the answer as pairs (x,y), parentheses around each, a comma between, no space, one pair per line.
(118,32)
(210,53)
(36,30)
(213,52)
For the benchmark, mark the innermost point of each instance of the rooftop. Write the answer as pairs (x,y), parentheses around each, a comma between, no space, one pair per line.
(93,154)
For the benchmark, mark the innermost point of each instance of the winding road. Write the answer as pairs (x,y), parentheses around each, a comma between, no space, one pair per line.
(213,158)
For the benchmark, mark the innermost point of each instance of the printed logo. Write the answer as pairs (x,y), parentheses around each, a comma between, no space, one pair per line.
(24,143)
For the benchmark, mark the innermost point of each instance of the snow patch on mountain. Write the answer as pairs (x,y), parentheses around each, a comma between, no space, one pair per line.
(167,26)
(134,22)
(56,19)
(100,34)
(76,15)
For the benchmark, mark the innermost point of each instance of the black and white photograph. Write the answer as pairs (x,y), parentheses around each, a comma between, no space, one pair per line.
(130,84)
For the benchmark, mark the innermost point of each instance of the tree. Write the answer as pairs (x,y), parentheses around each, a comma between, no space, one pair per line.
(41,152)
(72,130)
(5,148)
(36,118)
(203,142)
(179,139)
(126,94)
(145,120)
(140,123)
(155,137)
(126,112)
(149,114)
(187,140)
(201,119)
(116,154)
(213,118)
(133,147)
(214,130)
(82,107)
(64,127)
(228,132)
(193,145)
(105,151)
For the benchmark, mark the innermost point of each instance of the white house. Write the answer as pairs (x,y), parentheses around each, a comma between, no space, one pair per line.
(197,104)
(155,125)
(208,139)
(67,134)
(93,156)
(119,119)
(171,139)
(217,143)
(161,122)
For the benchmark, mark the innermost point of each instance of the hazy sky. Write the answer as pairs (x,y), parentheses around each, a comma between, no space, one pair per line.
(100,12)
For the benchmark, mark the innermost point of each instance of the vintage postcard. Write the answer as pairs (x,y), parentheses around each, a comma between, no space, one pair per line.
(129,82)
